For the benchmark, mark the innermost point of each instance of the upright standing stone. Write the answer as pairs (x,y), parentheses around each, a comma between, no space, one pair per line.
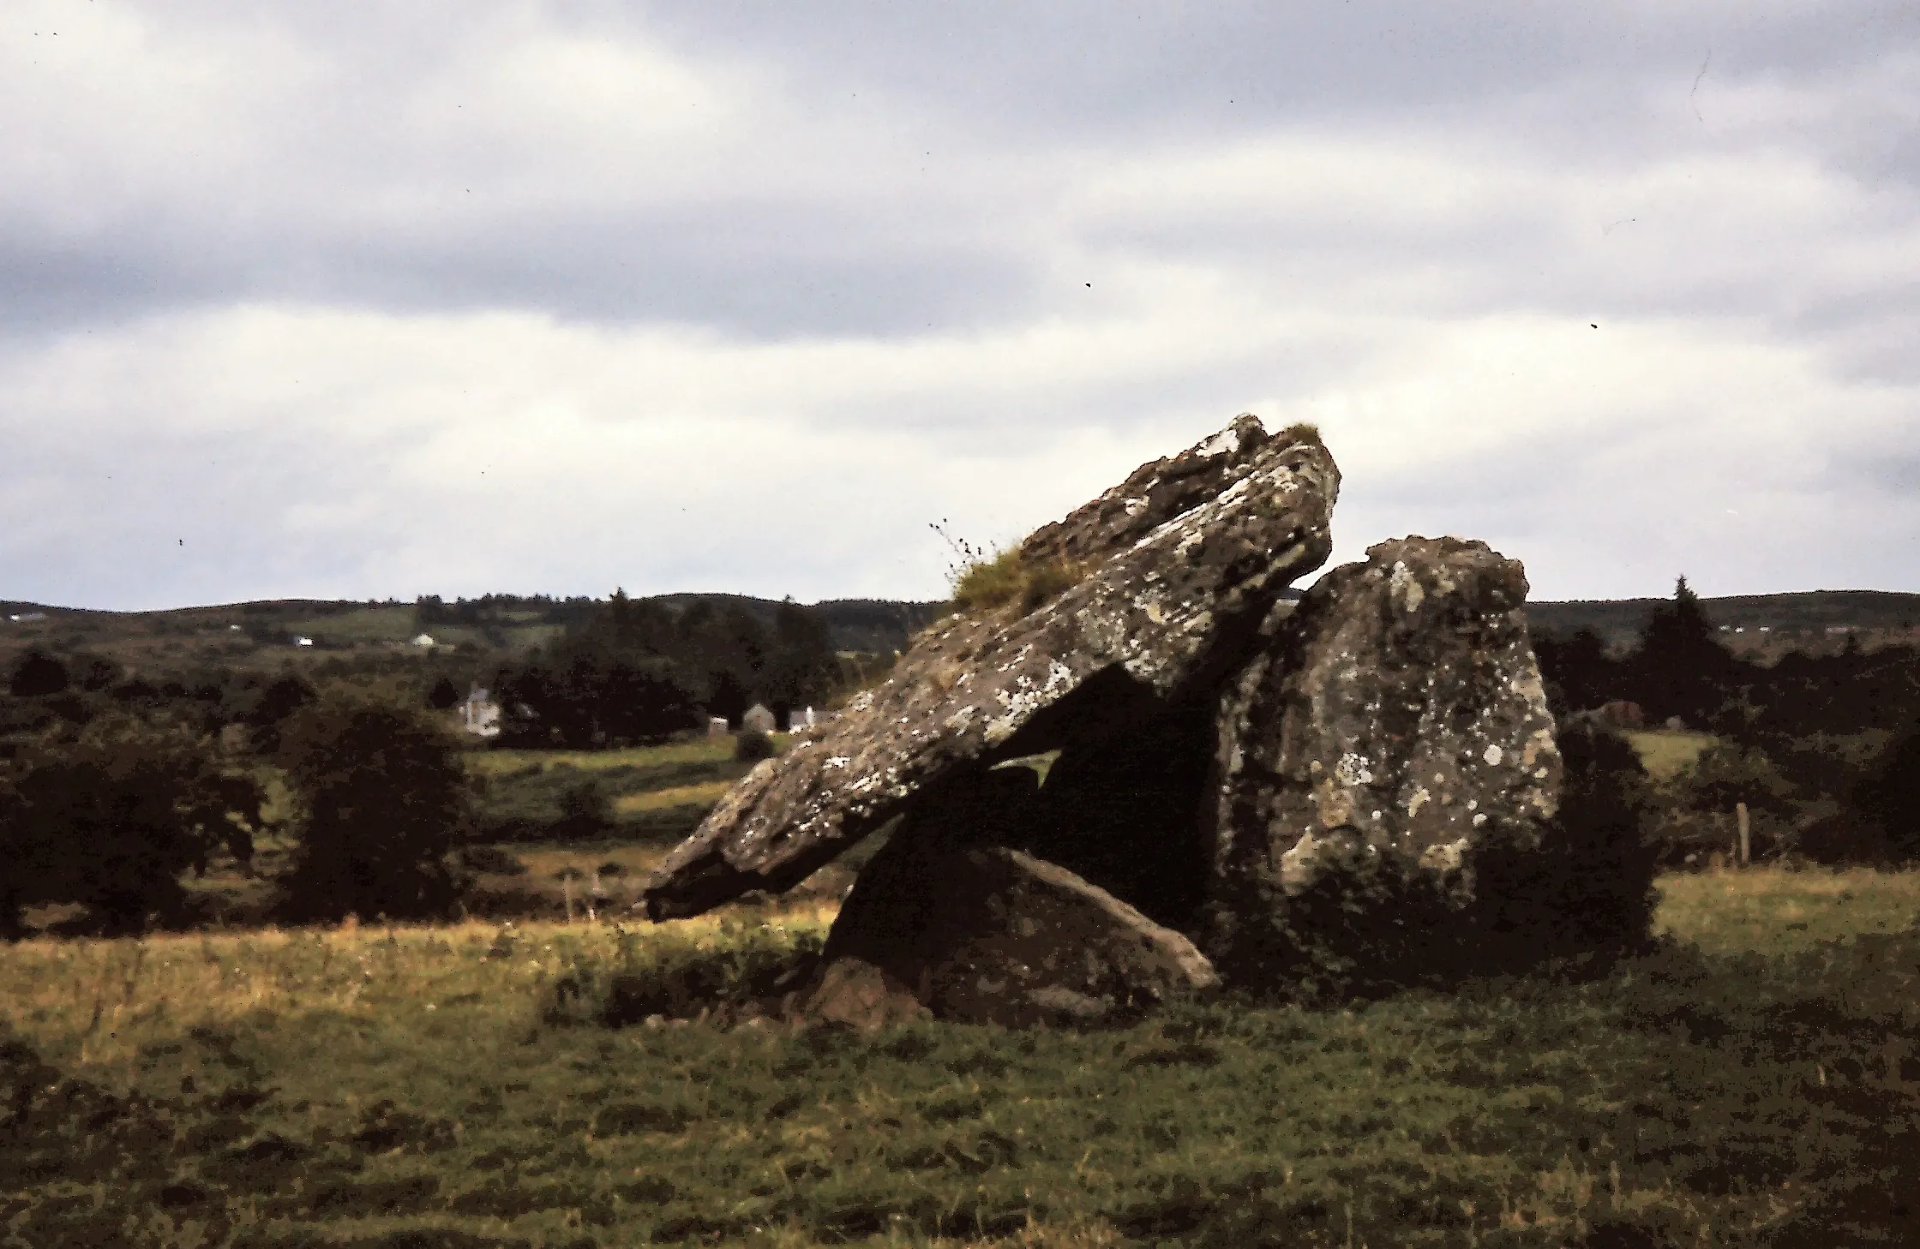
(1398,710)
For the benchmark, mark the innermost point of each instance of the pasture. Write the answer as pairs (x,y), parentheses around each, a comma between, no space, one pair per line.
(1666,753)
(1752,1082)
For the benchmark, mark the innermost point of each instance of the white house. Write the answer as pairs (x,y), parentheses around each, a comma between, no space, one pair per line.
(303,641)
(479,714)
(423,640)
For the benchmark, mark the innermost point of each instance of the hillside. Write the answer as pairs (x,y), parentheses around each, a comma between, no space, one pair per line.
(256,632)
(244,634)
(1799,619)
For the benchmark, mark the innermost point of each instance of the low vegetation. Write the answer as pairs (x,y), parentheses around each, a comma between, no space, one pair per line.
(1667,754)
(1009,577)
(1751,1082)
(649,793)
(1748,1079)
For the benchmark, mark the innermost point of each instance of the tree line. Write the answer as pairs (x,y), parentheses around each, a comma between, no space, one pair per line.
(114,786)
(636,671)
(1824,750)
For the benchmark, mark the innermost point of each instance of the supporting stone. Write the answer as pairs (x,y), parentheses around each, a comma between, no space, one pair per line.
(1398,710)
(992,935)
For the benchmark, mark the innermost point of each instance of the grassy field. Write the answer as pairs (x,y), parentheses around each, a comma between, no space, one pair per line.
(1665,753)
(704,752)
(1755,1082)
(655,794)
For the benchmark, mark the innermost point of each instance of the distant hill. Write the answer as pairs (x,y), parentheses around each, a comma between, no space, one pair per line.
(243,632)
(1619,621)
(259,631)
(875,626)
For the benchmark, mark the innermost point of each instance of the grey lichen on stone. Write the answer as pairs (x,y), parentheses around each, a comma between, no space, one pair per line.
(1177,563)
(988,934)
(1400,710)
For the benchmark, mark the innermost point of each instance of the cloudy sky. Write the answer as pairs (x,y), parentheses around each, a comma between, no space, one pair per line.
(366,300)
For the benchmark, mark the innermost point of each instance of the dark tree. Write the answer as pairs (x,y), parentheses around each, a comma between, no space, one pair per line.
(633,671)
(752,746)
(586,809)
(109,817)
(1587,891)
(443,695)
(728,696)
(803,668)
(1679,667)
(383,800)
(587,700)
(429,612)
(638,701)
(1578,673)
(265,708)
(37,675)
(93,673)
(1885,803)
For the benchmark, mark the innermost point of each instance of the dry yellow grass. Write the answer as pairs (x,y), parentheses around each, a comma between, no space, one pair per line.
(704,750)
(95,1002)
(1666,754)
(1770,910)
(455,1042)
(548,862)
(106,996)
(674,796)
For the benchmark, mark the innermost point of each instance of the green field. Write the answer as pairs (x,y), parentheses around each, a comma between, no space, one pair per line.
(1665,753)
(1755,1083)
(653,794)
(399,624)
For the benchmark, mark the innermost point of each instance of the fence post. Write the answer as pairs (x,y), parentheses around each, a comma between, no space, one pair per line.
(1740,813)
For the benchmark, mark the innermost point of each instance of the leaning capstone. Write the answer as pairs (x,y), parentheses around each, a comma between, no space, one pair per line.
(1398,710)
(1161,579)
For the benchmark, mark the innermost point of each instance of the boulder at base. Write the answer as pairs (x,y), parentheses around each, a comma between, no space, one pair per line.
(1398,710)
(854,992)
(987,934)
(1161,582)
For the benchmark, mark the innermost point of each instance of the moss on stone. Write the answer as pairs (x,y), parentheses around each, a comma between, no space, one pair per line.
(1009,578)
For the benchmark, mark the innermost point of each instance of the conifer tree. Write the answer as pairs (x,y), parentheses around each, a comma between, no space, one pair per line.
(1679,666)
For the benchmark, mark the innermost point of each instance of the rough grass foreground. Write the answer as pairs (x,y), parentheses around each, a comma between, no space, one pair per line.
(1755,1083)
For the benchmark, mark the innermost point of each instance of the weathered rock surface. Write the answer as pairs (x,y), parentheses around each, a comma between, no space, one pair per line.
(854,992)
(987,934)
(1397,709)
(1175,569)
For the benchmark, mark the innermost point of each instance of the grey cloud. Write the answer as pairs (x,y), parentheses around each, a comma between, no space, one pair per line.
(50,288)
(1592,517)
(755,270)
(1100,68)
(895,256)
(1012,106)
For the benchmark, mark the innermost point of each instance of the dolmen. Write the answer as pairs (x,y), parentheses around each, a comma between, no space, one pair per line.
(1209,739)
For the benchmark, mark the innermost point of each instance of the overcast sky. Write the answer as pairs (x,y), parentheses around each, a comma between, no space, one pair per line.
(364,300)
